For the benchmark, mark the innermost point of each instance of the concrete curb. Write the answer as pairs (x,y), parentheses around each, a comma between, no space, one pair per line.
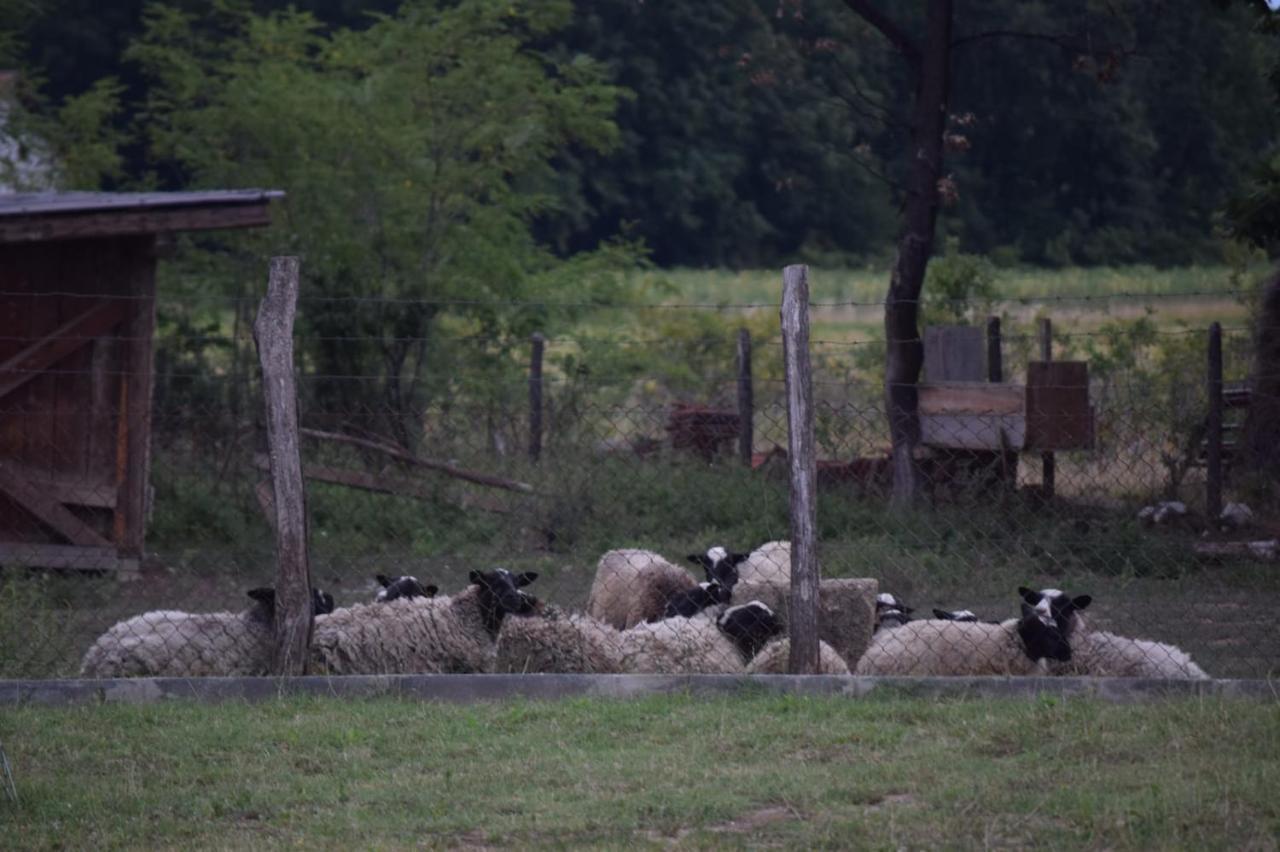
(495,687)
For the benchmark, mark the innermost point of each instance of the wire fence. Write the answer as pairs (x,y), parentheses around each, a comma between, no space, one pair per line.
(595,500)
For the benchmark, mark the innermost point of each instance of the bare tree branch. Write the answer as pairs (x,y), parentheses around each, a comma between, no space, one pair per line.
(887,28)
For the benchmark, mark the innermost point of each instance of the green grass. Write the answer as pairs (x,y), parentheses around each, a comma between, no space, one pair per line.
(765,770)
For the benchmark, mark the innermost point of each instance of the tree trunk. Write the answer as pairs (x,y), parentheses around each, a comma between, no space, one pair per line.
(905,350)
(1262,425)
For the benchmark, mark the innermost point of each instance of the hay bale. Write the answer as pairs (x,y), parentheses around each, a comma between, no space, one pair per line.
(846,611)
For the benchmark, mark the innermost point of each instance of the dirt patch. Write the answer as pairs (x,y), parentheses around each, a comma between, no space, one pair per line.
(757,819)
(889,800)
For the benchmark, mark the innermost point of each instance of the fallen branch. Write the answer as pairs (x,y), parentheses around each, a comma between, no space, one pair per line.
(1264,551)
(377,484)
(429,464)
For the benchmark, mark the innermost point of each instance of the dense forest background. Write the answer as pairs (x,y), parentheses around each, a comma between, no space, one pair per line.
(749,132)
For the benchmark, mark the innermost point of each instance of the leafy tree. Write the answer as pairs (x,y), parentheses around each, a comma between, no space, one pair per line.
(405,150)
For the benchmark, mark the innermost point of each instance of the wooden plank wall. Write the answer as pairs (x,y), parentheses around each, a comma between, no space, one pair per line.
(82,314)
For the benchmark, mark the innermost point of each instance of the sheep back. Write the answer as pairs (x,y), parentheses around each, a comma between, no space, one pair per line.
(632,586)
(948,648)
(439,635)
(775,657)
(169,643)
(1103,654)
(768,563)
(680,645)
(846,610)
(576,644)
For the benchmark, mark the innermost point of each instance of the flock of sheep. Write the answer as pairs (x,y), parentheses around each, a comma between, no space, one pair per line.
(643,615)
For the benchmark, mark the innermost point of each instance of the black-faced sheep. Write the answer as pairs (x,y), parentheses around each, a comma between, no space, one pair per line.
(170,643)
(422,635)
(757,631)
(404,586)
(935,647)
(1101,654)
(891,612)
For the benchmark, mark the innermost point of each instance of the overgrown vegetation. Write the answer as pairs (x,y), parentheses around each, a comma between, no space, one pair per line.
(757,769)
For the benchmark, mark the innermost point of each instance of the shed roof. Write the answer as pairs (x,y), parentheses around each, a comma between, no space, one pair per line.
(34,216)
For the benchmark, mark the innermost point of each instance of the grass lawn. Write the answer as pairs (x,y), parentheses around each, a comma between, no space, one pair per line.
(776,770)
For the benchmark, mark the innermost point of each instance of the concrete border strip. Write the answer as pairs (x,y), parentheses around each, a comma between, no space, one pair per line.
(497,687)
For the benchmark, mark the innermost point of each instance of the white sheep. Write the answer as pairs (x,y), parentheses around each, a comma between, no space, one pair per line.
(680,645)
(775,658)
(768,563)
(935,647)
(422,635)
(633,586)
(554,641)
(171,643)
(1102,654)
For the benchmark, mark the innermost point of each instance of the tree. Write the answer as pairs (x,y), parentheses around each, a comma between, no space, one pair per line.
(405,150)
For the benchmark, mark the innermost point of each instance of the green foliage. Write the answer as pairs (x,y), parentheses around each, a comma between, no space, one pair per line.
(959,288)
(33,638)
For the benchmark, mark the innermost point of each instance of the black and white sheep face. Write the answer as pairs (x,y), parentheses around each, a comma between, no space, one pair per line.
(954,615)
(693,601)
(720,565)
(404,586)
(321,602)
(750,626)
(1056,605)
(500,595)
(891,611)
(1042,640)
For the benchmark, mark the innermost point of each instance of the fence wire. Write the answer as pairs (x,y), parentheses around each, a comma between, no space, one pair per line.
(632,534)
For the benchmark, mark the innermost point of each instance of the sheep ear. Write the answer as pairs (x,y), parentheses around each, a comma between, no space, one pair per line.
(266,595)
(1031,597)
(383,580)
(1082,601)
(431,590)
(526,578)
(943,615)
(476,577)
(738,558)
(699,559)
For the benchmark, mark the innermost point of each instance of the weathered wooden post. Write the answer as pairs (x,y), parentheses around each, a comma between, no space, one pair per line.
(535,396)
(273,333)
(1047,461)
(1213,476)
(746,401)
(802,620)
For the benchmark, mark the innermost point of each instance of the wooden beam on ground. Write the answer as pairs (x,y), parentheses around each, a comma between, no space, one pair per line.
(73,334)
(21,554)
(48,510)
(802,619)
(273,332)
(430,464)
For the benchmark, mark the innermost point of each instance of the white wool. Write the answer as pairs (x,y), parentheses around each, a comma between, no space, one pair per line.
(1098,653)
(937,647)
(632,586)
(680,645)
(775,658)
(768,563)
(170,643)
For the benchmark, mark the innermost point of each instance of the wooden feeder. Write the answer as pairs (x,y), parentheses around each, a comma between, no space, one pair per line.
(77,318)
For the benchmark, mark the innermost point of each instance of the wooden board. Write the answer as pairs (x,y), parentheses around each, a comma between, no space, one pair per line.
(1058,413)
(972,416)
(22,555)
(953,353)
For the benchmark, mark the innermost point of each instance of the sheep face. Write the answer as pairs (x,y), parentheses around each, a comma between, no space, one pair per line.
(404,586)
(891,612)
(750,626)
(1056,605)
(954,615)
(690,603)
(720,565)
(1041,639)
(321,602)
(500,595)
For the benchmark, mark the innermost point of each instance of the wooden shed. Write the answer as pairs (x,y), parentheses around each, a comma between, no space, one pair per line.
(77,319)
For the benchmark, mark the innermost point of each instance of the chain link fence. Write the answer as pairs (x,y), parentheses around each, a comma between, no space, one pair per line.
(615,513)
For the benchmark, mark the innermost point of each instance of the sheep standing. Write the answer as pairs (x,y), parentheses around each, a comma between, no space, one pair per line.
(935,647)
(170,643)
(1102,654)
(422,635)
(633,586)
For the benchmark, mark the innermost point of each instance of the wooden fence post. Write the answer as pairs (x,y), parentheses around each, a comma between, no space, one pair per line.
(1047,461)
(802,619)
(273,333)
(746,401)
(1213,476)
(535,396)
(995,353)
